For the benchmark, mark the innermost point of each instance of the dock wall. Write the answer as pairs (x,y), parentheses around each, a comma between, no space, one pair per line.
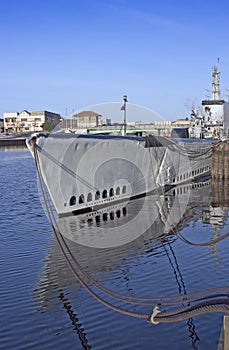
(220,193)
(220,161)
(12,142)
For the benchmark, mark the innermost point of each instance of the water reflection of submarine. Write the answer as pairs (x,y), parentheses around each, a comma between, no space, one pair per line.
(113,226)
(157,217)
(192,201)
(150,216)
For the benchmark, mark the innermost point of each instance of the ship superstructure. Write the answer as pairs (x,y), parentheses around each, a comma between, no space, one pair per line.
(213,119)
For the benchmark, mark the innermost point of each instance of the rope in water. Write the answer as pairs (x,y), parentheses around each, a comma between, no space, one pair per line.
(203,244)
(165,316)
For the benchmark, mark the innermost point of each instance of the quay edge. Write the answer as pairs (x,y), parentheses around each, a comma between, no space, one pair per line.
(12,142)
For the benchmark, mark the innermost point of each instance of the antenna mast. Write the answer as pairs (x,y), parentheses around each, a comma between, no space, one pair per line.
(216,82)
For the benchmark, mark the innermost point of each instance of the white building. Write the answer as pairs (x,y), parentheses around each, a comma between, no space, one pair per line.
(102,121)
(26,121)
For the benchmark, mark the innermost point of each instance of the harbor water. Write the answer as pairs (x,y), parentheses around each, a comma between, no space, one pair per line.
(43,305)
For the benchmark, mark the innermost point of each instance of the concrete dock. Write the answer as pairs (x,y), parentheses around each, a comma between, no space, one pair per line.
(224,337)
(220,161)
(11,141)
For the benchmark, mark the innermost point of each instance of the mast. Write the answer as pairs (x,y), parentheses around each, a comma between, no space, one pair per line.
(216,82)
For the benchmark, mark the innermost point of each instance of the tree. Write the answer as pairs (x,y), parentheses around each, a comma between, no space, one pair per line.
(47,126)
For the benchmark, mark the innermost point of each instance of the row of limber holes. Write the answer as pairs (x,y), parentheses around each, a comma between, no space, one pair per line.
(186,189)
(97,196)
(194,172)
(108,216)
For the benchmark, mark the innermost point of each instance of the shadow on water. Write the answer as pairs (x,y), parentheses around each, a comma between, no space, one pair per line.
(141,238)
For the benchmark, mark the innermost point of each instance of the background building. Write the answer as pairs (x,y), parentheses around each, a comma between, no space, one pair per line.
(90,119)
(26,121)
(87,119)
(1,125)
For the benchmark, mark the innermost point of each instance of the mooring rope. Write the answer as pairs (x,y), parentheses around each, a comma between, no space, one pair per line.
(176,315)
(165,316)
(203,244)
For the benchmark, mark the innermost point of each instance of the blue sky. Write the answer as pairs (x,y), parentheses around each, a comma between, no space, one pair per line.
(64,55)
